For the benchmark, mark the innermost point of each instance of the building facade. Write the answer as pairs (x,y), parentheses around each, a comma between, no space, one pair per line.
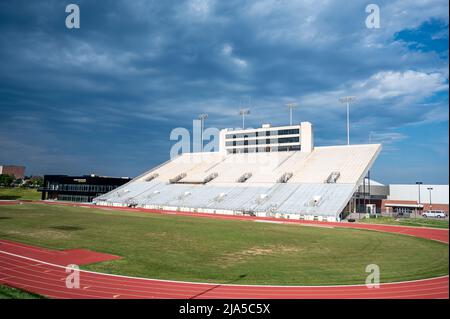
(78,188)
(370,192)
(400,199)
(413,198)
(267,139)
(14,170)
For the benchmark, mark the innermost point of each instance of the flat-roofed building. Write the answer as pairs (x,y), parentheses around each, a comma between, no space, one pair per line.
(14,170)
(410,198)
(370,192)
(78,188)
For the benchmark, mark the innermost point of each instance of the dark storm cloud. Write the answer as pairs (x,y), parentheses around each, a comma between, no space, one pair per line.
(106,96)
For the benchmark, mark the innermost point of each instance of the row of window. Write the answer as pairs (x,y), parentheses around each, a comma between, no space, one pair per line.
(75,198)
(264,141)
(263,133)
(81,188)
(264,149)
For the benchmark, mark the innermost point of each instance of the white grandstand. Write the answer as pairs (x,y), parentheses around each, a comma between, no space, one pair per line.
(293,180)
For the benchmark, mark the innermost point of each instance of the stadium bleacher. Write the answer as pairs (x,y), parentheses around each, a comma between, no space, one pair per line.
(292,184)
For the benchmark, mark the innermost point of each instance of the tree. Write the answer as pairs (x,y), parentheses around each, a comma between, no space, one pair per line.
(37,181)
(34,181)
(6,180)
(17,182)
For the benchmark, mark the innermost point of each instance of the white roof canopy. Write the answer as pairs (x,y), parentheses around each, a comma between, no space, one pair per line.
(404,205)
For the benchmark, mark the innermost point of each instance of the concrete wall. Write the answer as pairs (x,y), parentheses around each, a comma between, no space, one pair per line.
(402,192)
(307,137)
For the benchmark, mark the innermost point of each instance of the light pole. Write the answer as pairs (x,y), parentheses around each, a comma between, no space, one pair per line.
(291,106)
(202,117)
(347,100)
(243,113)
(418,184)
(430,189)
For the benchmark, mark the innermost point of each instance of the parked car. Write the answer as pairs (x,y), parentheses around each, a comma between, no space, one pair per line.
(434,213)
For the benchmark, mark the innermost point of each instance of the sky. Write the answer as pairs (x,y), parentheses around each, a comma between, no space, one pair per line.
(104,98)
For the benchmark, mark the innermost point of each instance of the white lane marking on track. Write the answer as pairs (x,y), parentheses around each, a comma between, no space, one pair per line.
(7,277)
(205,283)
(403,293)
(268,221)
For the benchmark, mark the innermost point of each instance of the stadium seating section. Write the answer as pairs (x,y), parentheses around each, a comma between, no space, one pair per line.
(294,185)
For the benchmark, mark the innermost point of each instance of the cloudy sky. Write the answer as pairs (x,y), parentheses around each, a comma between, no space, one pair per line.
(104,98)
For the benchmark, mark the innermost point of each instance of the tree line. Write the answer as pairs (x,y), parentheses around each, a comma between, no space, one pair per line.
(7,180)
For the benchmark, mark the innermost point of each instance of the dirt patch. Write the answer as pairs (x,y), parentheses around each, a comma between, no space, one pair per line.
(69,228)
(228,260)
(39,234)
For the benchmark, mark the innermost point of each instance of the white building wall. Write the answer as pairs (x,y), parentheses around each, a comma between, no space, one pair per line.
(439,194)
(222,148)
(306,137)
(305,134)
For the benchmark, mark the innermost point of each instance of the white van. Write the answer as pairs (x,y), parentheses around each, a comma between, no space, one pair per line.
(435,214)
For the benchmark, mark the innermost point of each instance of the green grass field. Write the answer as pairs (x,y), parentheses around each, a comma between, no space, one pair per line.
(226,251)
(417,222)
(10,193)
(12,293)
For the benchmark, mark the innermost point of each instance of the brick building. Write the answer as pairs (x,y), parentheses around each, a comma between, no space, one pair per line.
(14,170)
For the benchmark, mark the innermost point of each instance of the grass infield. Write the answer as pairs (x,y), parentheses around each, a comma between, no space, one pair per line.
(13,293)
(224,251)
(416,222)
(16,193)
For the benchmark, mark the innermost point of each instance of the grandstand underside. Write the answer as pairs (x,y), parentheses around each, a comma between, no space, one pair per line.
(296,185)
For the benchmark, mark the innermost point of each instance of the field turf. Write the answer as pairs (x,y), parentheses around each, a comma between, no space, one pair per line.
(416,222)
(16,193)
(12,293)
(223,251)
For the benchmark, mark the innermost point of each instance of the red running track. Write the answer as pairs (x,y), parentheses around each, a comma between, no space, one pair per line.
(19,268)
(58,257)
